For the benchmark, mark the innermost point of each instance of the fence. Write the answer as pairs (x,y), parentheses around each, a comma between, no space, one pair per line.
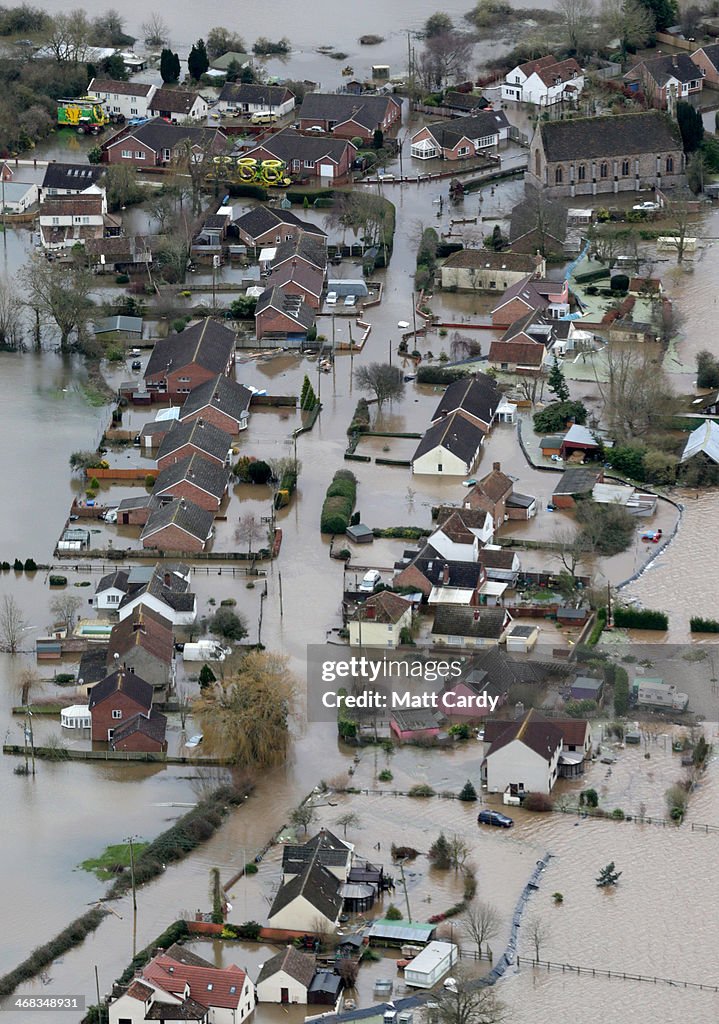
(65,754)
(599,972)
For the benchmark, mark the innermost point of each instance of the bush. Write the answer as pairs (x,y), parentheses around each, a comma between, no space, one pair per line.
(30,565)
(621,690)
(618,814)
(251,868)
(393,913)
(422,789)
(539,802)
(440,375)
(698,625)
(179,325)
(628,459)
(385,775)
(259,472)
(149,481)
(641,618)
(556,416)
(619,283)
(339,502)
(361,418)
(589,797)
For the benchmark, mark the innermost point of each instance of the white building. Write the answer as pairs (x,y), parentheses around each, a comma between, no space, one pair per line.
(286,977)
(111,589)
(179,105)
(309,902)
(163,589)
(429,966)
(77,716)
(18,196)
(380,620)
(458,542)
(66,221)
(131,99)
(449,447)
(544,82)
(521,756)
(654,692)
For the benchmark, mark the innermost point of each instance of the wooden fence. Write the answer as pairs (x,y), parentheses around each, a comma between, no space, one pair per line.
(598,972)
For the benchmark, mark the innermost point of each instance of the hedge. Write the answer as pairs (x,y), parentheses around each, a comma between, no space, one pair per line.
(339,502)
(591,275)
(440,375)
(621,691)
(698,625)
(641,618)
(599,626)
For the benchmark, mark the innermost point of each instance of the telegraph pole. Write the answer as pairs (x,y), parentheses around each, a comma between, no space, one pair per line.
(130,841)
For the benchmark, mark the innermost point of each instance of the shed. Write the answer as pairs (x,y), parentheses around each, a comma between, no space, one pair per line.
(324,988)
(521,639)
(398,932)
(358,896)
(344,286)
(77,716)
(586,688)
(127,325)
(360,534)
(74,539)
(431,964)
(572,616)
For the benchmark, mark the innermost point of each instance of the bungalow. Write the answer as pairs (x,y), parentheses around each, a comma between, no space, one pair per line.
(501,565)
(308,902)
(666,80)
(18,196)
(706,59)
(164,589)
(304,249)
(219,401)
(531,295)
(494,494)
(325,159)
(262,226)
(195,478)
(301,281)
(251,99)
(451,447)
(180,362)
(178,526)
(122,252)
(157,144)
(380,620)
(179,105)
(130,99)
(349,117)
(411,726)
(66,221)
(143,643)
(115,699)
(484,270)
(522,357)
(476,398)
(194,437)
(223,63)
(575,483)
(70,180)
(326,848)
(461,138)
(280,314)
(460,698)
(286,977)
(468,627)
(521,756)
(141,734)
(544,82)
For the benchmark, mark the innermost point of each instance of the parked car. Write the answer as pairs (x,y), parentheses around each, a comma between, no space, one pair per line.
(316,129)
(331,299)
(556,458)
(136,364)
(494,818)
(110,516)
(469,483)
(194,741)
(647,206)
(350,300)
(369,582)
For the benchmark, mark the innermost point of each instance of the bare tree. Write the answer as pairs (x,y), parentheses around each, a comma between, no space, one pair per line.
(184,704)
(303,816)
(578,19)
(385,382)
(532,386)
(480,922)
(572,550)
(458,851)
(679,220)
(627,20)
(155,31)
(347,820)
(11,306)
(348,971)
(445,58)
(248,529)
(12,624)
(161,206)
(538,933)
(636,393)
(68,37)
(29,680)
(59,294)
(467,1004)
(65,608)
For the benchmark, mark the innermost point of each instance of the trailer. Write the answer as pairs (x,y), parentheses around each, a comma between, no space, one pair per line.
(429,966)
(84,114)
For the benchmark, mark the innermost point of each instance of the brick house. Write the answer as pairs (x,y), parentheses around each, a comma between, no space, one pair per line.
(195,478)
(484,270)
(523,357)
(62,179)
(179,525)
(494,494)
(667,79)
(706,59)
(323,158)
(279,314)
(141,734)
(118,697)
(529,295)
(300,280)
(178,105)
(194,437)
(66,221)
(131,99)
(251,99)
(145,644)
(263,226)
(525,345)
(302,250)
(157,143)
(349,117)
(544,82)
(461,138)
(606,154)
(180,362)
(221,402)
(135,510)
(164,589)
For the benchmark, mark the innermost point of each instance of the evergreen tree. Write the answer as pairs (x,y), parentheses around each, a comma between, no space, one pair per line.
(608,876)
(468,792)
(665,12)
(207,676)
(557,383)
(691,126)
(198,62)
(439,852)
(169,67)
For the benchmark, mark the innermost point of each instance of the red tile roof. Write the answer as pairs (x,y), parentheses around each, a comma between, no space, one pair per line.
(210,986)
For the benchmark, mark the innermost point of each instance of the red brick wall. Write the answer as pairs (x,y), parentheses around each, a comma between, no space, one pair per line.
(102,719)
(293,288)
(179,388)
(216,417)
(272,322)
(184,453)
(172,538)
(137,741)
(412,577)
(510,313)
(135,517)
(186,489)
(114,154)
(269,237)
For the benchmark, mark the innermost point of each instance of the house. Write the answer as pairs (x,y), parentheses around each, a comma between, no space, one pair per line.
(122,252)
(180,362)
(349,117)
(468,627)
(179,105)
(544,82)
(706,59)
(501,565)
(115,699)
(451,447)
(459,699)
(194,437)
(135,511)
(380,620)
(194,478)
(286,977)
(432,575)
(606,154)
(484,270)
(251,99)
(141,734)
(494,494)
(179,525)
(300,281)
(18,196)
(582,442)
(144,643)
(666,80)
(304,249)
(530,295)
(66,221)
(576,746)
(476,520)
(281,314)
(308,902)
(326,848)
(416,725)
(461,138)
(164,589)
(63,179)
(575,483)
(526,344)
(521,756)
(130,99)
(454,540)
(324,159)
(263,226)
(517,355)
(476,398)
(157,144)
(223,63)
(464,102)
(110,590)
(538,225)
(703,441)
(219,401)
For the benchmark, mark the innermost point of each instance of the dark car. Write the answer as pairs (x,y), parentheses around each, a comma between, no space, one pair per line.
(494,818)
(136,364)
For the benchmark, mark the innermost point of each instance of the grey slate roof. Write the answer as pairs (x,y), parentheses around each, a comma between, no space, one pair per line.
(153,727)
(368,111)
(474,126)
(200,472)
(306,248)
(479,396)
(121,681)
(453,620)
(317,885)
(712,53)
(177,101)
(291,306)
(290,145)
(456,434)
(207,344)
(268,95)
(299,965)
(167,584)
(587,138)
(158,134)
(186,515)
(206,437)
(525,216)
(679,66)
(221,393)
(117,579)
(488,259)
(261,219)
(114,85)
(577,481)
(72,176)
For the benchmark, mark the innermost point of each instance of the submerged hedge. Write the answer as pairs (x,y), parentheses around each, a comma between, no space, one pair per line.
(339,502)
(641,618)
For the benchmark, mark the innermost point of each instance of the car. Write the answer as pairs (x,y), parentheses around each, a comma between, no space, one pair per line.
(469,483)
(350,300)
(195,741)
(135,352)
(110,516)
(369,582)
(316,129)
(494,818)
(136,364)
(647,206)
(331,299)
(556,458)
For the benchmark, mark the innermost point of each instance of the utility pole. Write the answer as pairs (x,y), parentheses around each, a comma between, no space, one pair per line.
(130,840)
(97,990)
(414,318)
(279,580)
(390,351)
(404,886)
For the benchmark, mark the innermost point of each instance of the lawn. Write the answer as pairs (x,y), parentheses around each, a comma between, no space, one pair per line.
(107,865)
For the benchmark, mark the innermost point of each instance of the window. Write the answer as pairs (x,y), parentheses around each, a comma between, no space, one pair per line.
(85,220)
(55,220)
(604,170)
(278,238)
(295,165)
(492,284)
(184,380)
(126,154)
(309,163)
(439,467)
(133,110)
(166,154)
(558,176)
(670,165)
(116,713)
(52,191)
(113,598)
(116,110)
(233,989)
(139,154)
(463,150)
(581,173)
(537,164)
(210,987)
(115,96)
(625,167)
(487,140)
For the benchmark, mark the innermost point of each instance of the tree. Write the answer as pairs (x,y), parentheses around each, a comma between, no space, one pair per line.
(636,394)
(660,467)
(691,126)
(697,170)
(578,18)
(161,208)
(707,370)
(80,462)
(218,914)
(690,19)
(480,922)
(221,41)
(207,677)
(114,67)
(468,793)
(198,62)
(606,529)
(445,58)
(12,624)
(155,31)
(248,529)
(108,29)
(458,852)
(228,624)
(555,416)
(439,853)
(571,550)
(393,913)
(247,717)
(169,67)
(184,704)
(437,24)
(65,608)
(464,1003)
(68,37)
(557,383)
(303,816)
(123,188)
(621,692)
(629,458)
(607,876)
(11,306)
(663,12)
(679,219)
(348,971)
(626,20)
(29,680)
(538,933)
(347,820)
(384,381)
(60,294)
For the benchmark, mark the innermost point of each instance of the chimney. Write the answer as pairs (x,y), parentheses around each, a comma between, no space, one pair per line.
(675,62)
(201,422)
(496,466)
(370,611)
(445,575)
(475,615)
(519,709)
(166,579)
